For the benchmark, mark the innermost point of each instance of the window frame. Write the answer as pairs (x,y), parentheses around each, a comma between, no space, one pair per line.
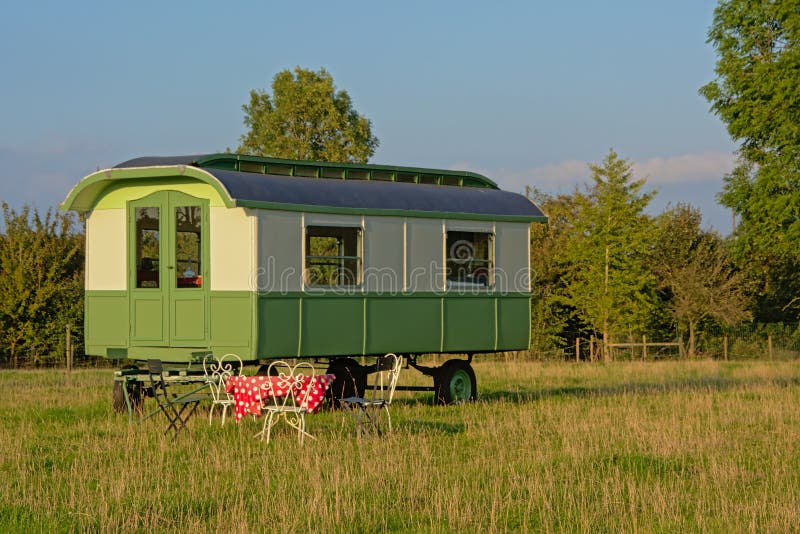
(490,261)
(358,258)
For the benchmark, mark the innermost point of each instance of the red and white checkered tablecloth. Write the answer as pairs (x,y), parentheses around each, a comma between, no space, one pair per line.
(248,391)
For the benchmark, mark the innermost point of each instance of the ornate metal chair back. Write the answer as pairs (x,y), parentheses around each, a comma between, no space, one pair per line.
(217,372)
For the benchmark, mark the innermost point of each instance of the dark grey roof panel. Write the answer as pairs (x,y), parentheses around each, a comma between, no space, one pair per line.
(368,194)
(373,194)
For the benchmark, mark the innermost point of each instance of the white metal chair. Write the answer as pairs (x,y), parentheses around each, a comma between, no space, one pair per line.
(365,411)
(217,372)
(286,397)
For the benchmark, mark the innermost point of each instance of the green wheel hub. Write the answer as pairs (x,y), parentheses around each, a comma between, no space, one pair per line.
(460,386)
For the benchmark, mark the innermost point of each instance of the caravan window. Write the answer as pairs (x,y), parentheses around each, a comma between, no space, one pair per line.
(470,259)
(188,228)
(148,247)
(333,256)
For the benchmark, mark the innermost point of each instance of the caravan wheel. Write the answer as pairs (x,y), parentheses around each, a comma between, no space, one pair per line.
(455,382)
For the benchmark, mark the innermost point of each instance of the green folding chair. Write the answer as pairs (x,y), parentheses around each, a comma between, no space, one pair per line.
(176,408)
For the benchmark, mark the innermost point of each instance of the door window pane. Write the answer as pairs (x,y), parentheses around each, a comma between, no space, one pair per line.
(188,270)
(147,247)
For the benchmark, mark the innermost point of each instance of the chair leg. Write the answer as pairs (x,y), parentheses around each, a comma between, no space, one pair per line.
(364,421)
(388,417)
(267,429)
(174,418)
(211,413)
(180,417)
(270,425)
(301,427)
(263,427)
(359,415)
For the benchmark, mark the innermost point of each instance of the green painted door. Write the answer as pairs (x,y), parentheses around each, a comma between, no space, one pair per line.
(168,270)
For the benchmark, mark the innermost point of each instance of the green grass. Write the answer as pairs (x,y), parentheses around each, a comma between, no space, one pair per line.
(656,447)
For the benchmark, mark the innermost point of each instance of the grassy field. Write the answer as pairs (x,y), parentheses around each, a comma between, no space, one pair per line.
(627,447)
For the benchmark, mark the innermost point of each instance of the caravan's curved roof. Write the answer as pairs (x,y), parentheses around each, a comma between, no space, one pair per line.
(380,193)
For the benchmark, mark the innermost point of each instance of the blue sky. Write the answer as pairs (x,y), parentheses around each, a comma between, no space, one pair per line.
(527,93)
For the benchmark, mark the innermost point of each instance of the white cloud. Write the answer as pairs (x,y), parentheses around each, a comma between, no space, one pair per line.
(564,175)
(687,168)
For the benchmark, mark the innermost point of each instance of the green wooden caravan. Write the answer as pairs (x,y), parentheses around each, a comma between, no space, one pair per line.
(273,258)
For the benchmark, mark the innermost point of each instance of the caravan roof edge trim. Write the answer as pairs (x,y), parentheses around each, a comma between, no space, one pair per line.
(83,195)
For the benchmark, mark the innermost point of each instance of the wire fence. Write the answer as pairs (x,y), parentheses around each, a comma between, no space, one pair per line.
(776,341)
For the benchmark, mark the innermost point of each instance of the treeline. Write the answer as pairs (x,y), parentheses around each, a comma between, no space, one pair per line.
(604,268)
(41,283)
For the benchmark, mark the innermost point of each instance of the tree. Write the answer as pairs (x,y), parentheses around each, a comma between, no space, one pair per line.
(306,118)
(756,95)
(41,281)
(552,319)
(696,271)
(609,284)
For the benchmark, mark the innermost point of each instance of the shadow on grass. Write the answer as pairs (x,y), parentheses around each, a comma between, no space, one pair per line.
(634,388)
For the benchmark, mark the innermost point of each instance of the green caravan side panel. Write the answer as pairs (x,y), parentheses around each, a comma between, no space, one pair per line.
(232,318)
(304,324)
(403,324)
(469,324)
(332,325)
(105,321)
(278,326)
(513,322)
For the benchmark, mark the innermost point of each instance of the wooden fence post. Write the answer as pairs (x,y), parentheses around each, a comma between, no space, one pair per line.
(591,348)
(69,348)
(725,347)
(577,349)
(644,347)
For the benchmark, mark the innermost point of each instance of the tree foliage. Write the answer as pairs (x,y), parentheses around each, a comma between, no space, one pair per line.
(306,117)
(41,280)
(695,269)
(610,285)
(551,316)
(604,267)
(756,94)
(590,263)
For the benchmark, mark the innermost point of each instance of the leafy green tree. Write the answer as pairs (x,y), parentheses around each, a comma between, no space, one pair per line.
(697,273)
(609,283)
(41,281)
(756,94)
(553,321)
(306,118)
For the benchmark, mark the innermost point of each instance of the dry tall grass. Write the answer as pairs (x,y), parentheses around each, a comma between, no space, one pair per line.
(655,447)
